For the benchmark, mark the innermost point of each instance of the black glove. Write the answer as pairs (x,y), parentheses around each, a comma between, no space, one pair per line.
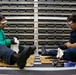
(13,41)
(63,47)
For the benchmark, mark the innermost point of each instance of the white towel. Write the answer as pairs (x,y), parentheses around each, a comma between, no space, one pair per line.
(59,53)
(15,47)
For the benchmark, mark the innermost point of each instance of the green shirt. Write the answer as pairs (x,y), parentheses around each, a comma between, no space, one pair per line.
(3,39)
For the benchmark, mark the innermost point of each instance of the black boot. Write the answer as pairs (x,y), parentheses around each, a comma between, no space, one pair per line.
(14,58)
(21,58)
(44,52)
(25,54)
(39,52)
(33,49)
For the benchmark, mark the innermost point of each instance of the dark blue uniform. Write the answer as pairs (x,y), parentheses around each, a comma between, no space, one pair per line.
(73,36)
(70,53)
(6,53)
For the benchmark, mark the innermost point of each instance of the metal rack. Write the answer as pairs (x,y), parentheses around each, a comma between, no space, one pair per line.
(38,22)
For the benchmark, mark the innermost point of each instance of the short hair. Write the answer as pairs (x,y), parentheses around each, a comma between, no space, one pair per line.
(1,17)
(72,18)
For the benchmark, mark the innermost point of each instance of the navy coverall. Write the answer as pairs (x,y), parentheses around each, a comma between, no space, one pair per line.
(6,53)
(70,53)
